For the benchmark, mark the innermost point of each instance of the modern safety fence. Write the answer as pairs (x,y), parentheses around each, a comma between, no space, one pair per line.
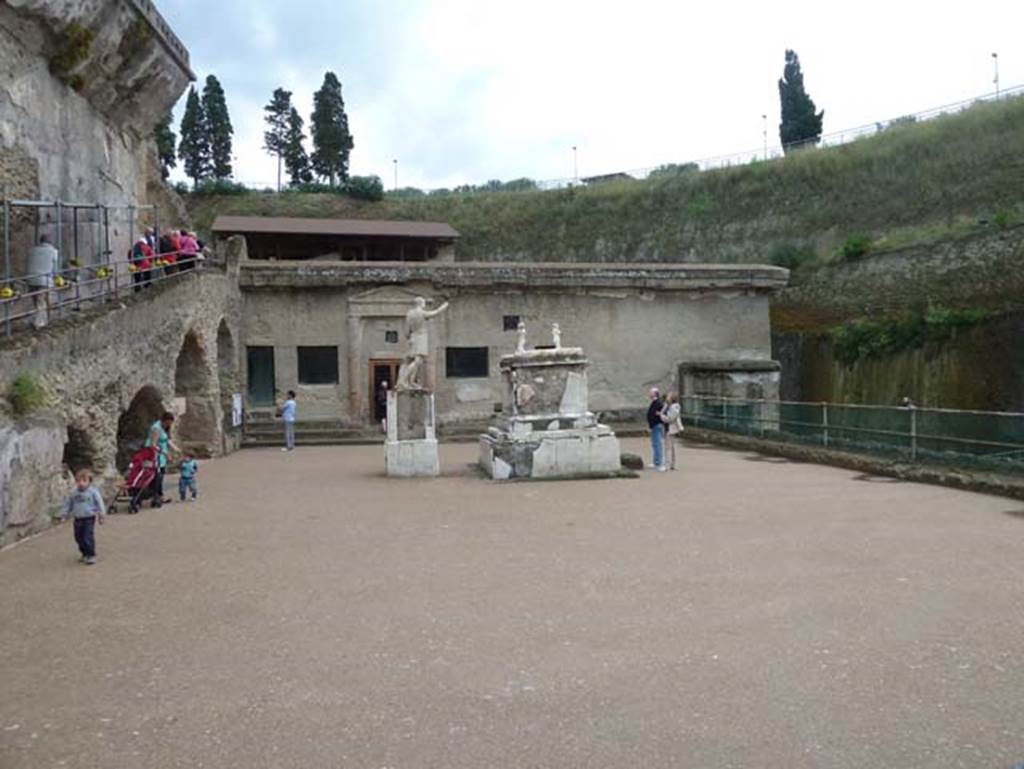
(989,440)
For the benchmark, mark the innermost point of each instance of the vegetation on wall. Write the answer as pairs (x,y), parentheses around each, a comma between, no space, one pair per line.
(879,337)
(26,394)
(71,49)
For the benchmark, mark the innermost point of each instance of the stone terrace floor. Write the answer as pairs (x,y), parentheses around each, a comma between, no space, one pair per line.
(307,612)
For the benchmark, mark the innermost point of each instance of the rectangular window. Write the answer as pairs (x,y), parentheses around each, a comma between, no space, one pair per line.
(260,375)
(510,322)
(318,365)
(465,362)
(391,337)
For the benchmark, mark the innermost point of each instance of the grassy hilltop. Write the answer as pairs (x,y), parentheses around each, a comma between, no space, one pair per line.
(909,185)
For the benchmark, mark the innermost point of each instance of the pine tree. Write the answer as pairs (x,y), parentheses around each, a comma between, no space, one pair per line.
(332,141)
(295,158)
(165,141)
(194,147)
(218,125)
(800,124)
(275,137)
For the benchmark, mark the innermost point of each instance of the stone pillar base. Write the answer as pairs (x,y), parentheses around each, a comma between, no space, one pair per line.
(580,453)
(411,446)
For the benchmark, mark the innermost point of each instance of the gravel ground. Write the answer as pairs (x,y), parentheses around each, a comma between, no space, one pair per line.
(308,612)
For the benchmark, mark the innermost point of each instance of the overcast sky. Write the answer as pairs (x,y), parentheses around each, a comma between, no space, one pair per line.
(462,91)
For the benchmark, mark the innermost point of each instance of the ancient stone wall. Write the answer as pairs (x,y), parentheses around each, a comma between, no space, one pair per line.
(81,86)
(108,374)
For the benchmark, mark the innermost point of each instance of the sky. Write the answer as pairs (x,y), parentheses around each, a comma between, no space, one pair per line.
(463,91)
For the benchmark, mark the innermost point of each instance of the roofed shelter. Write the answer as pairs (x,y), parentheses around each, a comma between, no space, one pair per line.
(347,240)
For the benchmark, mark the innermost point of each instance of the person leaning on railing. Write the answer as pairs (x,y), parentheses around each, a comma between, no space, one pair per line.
(43,264)
(141,258)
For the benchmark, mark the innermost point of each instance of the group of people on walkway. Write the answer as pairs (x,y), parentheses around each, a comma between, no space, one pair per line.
(170,251)
(664,420)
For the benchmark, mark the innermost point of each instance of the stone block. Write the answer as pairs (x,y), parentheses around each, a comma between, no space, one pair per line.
(411,459)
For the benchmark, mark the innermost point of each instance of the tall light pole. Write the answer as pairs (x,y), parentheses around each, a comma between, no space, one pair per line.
(395,163)
(575,167)
(764,134)
(995,60)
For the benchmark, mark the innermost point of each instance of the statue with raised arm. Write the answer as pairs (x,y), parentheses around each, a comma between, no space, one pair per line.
(418,351)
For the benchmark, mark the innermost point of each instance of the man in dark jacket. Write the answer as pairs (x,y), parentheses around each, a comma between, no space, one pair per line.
(657,429)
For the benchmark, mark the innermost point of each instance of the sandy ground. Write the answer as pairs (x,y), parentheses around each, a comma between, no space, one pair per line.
(307,612)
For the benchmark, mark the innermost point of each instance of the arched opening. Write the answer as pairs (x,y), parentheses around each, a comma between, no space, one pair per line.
(196,428)
(80,451)
(145,408)
(227,372)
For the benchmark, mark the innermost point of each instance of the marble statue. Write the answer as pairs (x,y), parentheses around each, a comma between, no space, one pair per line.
(418,352)
(521,337)
(556,336)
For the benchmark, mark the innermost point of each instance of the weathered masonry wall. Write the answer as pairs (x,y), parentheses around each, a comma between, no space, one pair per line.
(108,376)
(81,130)
(637,323)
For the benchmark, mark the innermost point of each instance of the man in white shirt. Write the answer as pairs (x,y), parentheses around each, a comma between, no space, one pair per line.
(43,263)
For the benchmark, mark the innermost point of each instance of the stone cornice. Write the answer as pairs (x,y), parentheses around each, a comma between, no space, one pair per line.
(548,275)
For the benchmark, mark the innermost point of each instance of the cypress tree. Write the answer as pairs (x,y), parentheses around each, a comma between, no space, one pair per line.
(800,124)
(275,137)
(194,147)
(218,124)
(295,158)
(332,141)
(165,141)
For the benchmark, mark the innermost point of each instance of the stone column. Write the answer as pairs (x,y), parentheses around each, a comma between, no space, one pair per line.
(355,346)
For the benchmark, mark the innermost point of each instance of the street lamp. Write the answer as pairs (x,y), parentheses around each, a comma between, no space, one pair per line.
(575,166)
(764,134)
(395,162)
(995,61)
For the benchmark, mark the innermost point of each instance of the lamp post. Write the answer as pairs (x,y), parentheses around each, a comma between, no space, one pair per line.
(575,167)
(394,162)
(764,134)
(995,61)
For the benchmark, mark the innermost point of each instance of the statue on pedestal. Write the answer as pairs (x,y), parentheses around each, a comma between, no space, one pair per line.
(418,351)
(521,337)
(556,336)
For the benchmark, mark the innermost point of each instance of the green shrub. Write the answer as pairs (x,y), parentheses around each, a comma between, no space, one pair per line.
(26,394)
(880,337)
(181,188)
(220,187)
(792,256)
(855,246)
(317,187)
(365,188)
(72,48)
(1001,219)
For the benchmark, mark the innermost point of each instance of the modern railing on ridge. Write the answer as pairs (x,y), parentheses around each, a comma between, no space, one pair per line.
(992,440)
(50,295)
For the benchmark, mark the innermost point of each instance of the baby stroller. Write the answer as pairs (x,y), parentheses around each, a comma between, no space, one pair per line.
(139,479)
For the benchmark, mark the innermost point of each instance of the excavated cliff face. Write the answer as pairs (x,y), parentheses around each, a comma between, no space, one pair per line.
(82,83)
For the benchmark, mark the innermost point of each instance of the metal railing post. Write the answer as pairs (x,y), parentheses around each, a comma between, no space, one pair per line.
(824,424)
(7,261)
(913,434)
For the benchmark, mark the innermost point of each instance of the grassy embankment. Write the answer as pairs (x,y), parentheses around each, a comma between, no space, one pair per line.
(912,184)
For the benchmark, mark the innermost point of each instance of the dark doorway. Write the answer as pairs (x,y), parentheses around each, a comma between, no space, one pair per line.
(381,370)
(260,375)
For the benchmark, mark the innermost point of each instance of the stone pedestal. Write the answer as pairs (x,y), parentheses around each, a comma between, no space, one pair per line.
(546,429)
(411,446)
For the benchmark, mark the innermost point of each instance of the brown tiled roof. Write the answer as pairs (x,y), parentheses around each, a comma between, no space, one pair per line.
(284,225)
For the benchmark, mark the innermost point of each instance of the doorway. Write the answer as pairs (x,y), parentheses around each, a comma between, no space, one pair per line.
(381,370)
(260,375)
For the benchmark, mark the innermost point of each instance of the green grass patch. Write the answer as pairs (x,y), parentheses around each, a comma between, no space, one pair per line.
(26,394)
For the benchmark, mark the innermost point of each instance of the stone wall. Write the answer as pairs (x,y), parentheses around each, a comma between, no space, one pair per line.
(635,322)
(83,134)
(978,368)
(108,375)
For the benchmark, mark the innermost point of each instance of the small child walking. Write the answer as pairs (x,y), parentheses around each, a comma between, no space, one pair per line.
(187,478)
(85,505)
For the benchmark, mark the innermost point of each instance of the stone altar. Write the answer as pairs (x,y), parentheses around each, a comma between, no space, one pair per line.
(546,429)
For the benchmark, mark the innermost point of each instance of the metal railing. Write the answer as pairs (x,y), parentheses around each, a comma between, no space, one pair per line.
(38,299)
(992,440)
